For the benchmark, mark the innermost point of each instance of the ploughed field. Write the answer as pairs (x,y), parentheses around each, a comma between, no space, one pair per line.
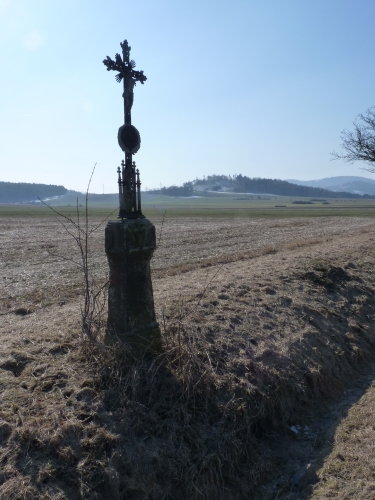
(264,324)
(39,259)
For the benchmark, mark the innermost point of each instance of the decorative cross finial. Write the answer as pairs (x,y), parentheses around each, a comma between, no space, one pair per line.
(128,136)
(125,50)
(124,66)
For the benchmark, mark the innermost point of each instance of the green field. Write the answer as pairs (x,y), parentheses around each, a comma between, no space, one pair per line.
(212,205)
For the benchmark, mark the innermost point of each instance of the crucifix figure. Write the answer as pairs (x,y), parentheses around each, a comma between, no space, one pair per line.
(128,136)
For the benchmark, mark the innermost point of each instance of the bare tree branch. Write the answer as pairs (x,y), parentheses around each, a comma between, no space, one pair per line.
(359,144)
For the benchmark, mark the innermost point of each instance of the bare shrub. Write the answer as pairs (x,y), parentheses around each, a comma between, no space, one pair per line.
(93,306)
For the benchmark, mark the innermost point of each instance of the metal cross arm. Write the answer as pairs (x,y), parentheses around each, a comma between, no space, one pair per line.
(124,69)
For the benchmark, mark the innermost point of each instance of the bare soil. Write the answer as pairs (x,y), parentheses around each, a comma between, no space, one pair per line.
(268,323)
(37,254)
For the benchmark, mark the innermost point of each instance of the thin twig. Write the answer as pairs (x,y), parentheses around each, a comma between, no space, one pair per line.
(93,305)
(194,308)
(161,230)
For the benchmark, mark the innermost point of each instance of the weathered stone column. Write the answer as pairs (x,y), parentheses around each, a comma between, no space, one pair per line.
(129,245)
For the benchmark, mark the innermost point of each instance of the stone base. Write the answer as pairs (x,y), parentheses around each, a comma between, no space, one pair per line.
(129,246)
(146,339)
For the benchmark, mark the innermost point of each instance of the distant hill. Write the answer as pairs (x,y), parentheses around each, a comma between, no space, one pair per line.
(22,192)
(284,188)
(243,184)
(348,183)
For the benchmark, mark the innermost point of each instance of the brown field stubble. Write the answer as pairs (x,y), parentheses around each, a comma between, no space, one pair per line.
(261,319)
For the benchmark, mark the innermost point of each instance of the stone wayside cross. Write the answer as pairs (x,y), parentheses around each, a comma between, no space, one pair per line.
(130,241)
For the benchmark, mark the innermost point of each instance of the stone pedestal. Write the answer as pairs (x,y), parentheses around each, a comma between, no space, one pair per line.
(129,245)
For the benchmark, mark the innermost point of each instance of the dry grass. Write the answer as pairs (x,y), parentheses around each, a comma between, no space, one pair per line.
(249,346)
(348,472)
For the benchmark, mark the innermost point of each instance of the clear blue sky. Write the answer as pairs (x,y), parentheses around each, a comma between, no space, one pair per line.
(258,87)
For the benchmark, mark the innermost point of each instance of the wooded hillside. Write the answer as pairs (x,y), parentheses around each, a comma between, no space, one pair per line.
(21,192)
(245,184)
(256,185)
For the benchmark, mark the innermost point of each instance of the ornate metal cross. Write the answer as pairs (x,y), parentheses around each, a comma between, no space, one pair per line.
(128,136)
